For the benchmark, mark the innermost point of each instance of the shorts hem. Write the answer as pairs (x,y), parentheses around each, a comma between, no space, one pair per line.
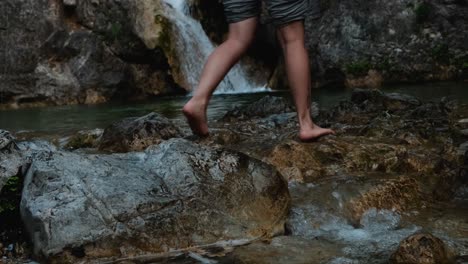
(239,19)
(283,23)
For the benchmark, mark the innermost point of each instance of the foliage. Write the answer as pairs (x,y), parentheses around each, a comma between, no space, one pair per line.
(440,52)
(385,64)
(13,184)
(358,68)
(9,196)
(115,31)
(422,11)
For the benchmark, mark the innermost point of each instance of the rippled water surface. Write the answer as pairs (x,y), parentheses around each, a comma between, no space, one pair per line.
(63,120)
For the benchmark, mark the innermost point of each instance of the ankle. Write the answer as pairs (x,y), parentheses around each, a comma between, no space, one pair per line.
(199,100)
(306,123)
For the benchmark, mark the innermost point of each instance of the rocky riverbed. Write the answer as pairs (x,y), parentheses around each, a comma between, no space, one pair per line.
(390,186)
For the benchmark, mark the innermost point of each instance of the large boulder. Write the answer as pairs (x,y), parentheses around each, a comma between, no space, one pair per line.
(173,195)
(137,133)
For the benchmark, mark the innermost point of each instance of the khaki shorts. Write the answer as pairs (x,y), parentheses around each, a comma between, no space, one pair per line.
(281,11)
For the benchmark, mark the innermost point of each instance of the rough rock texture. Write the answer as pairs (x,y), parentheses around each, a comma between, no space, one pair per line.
(85,139)
(137,133)
(404,40)
(369,43)
(421,248)
(401,152)
(10,158)
(266,106)
(173,195)
(85,52)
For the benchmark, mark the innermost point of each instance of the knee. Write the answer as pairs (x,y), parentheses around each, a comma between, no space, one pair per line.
(239,45)
(292,35)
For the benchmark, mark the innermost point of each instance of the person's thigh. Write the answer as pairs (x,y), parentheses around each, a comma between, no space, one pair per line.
(284,12)
(239,10)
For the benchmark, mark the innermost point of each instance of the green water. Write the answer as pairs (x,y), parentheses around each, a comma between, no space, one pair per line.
(64,120)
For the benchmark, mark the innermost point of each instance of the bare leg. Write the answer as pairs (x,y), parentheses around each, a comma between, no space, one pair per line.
(296,58)
(217,66)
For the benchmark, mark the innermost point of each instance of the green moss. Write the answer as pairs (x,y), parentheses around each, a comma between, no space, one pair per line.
(358,68)
(164,40)
(115,31)
(12,184)
(385,64)
(465,65)
(81,141)
(422,11)
(440,53)
(10,193)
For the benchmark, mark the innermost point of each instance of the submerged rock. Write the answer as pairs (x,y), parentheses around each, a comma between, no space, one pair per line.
(137,133)
(84,139)
(266,106)
(396,195)
(421,248)
(173,195)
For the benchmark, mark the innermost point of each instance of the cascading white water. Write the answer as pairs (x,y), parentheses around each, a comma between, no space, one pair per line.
(194,47)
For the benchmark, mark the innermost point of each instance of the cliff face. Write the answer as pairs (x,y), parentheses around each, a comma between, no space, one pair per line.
(89,51)
(56,52)
(368,42)
(361,43)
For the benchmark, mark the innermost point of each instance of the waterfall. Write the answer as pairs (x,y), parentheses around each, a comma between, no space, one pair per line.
(194,47)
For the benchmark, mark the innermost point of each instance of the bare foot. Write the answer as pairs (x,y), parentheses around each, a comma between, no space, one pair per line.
(313,133)
(196,116)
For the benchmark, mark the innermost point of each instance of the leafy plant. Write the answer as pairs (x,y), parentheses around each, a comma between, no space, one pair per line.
(9,196)
(358,68)
(13,184)
(422,11)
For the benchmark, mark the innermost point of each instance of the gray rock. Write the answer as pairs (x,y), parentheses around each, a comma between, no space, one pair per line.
(78,52)
(137,133)
(464,132)
(463,149)
(10,158)
(377,100)
(264,107)
(173,195)
(7,141)
(401,39)
(69,2)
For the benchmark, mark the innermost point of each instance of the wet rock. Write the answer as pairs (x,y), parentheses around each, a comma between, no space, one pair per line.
(398,195)
(420,248)
(133,134)
(372,80)
(464,132)
(7,141)
(463,149)
(85,139)
(266,106)
(173,195)
(463,121)
(285,249)
(296,162)
(380,100)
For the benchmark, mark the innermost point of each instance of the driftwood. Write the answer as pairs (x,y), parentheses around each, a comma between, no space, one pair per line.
(200,253)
